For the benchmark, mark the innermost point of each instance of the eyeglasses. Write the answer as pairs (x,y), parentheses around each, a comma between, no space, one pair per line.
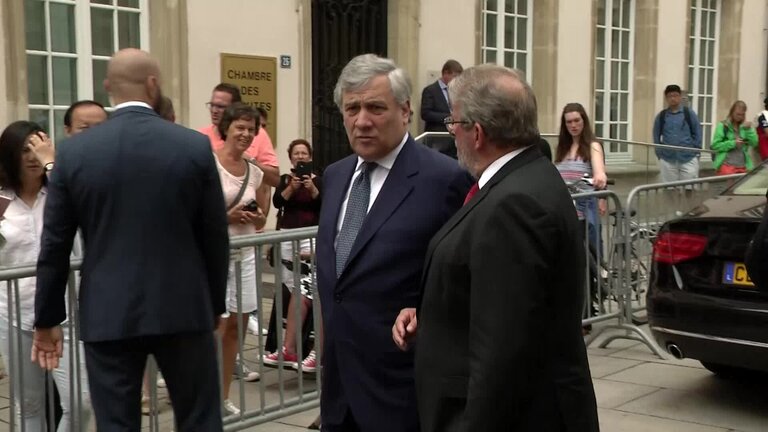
(450,123)
(211,106)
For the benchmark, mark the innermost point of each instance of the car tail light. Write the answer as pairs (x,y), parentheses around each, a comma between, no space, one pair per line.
(672,247)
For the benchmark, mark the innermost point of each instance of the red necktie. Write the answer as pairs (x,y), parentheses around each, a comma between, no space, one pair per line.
(472,191)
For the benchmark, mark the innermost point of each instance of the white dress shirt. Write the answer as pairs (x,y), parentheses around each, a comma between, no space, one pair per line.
(378,177)
(132,103)
(22,228)
(496,165)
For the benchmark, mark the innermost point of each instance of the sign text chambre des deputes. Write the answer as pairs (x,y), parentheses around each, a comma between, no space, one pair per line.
(256,77)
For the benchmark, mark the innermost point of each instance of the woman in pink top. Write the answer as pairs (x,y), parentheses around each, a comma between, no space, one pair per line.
(239,180)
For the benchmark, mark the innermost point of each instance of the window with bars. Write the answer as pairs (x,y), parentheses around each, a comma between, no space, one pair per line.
(702,64)
(613,74)
(68,44)
(507,33)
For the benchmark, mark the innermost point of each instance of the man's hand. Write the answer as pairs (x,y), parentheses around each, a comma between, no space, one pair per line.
(47,347)
(42,146)
(404,330)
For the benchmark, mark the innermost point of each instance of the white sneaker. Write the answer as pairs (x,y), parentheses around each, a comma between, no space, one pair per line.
(255,328)
(230,408)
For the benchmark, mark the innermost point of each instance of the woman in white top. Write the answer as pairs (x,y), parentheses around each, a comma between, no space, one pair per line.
(240,180)
(23,181)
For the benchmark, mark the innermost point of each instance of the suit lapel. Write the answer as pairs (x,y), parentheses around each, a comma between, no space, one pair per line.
(518,161)
(396,188)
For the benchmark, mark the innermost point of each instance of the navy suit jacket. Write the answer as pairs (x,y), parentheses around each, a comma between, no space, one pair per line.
(434,108)
(363,369)
(147,196)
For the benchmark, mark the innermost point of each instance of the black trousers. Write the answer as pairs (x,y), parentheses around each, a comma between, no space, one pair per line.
(188,362)
(349,425)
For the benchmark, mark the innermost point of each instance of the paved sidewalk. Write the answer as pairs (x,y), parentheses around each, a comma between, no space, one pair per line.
(636,392)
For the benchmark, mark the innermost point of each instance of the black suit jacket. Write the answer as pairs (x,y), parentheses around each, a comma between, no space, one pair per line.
(363,371)
(499,345)
(147,196)
(434,108)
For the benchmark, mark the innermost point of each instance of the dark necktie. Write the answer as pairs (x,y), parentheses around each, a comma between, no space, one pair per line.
(357,208)
(472,191)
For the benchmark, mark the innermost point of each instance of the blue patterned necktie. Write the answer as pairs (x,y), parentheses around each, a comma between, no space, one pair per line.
(357,208)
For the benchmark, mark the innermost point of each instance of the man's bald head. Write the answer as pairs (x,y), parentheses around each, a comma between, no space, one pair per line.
(133,75)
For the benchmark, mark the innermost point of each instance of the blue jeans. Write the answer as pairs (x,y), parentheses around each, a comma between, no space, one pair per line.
(588,207)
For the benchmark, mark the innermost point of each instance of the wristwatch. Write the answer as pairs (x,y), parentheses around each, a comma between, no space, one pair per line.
(48,167)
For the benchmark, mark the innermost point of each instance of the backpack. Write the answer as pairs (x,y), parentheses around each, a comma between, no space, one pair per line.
(686,115)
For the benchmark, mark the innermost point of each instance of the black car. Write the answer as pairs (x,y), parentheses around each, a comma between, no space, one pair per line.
(701,301)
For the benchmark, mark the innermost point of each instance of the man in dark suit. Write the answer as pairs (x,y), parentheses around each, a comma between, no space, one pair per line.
(381,206)
(499,327)
(435,108)
(146,195)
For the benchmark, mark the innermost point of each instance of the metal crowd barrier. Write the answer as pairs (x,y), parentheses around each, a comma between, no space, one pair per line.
(609,287)
(24,399)
(600,232)
(281,391)
(297,390)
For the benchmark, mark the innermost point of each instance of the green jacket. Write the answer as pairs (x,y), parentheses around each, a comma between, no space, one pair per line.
(725,141)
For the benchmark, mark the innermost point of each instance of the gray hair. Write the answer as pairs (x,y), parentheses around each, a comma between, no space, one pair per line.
(361,69)
(505,110)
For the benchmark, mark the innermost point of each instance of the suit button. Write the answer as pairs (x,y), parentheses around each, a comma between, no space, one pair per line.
(337,298)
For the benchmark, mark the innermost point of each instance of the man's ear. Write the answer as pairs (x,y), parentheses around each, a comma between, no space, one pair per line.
(481,140)
(406,109)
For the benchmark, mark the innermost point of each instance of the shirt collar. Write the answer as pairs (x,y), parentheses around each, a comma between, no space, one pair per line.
(132,104)
(443,85)
(496,165)
(387,161)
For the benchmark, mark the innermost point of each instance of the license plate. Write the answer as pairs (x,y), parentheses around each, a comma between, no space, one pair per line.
(736,274)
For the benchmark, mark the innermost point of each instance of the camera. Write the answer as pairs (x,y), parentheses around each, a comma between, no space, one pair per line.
(303,169)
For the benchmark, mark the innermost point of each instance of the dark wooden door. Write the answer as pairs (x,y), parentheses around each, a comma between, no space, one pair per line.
(341,30)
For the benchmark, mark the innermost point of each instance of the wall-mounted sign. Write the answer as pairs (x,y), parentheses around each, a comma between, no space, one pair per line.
(285,61)
(256,77)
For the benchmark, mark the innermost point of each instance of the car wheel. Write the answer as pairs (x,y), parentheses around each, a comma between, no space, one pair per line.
(725,371)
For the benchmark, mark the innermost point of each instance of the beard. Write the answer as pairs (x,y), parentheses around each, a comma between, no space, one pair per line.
(465,160)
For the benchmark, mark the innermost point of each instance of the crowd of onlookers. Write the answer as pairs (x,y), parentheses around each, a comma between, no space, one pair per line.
(248,169)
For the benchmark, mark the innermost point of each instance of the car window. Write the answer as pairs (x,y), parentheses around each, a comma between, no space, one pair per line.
(754,183)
